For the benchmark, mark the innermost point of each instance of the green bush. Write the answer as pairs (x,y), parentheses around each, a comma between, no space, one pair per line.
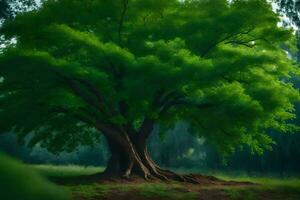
(20,182)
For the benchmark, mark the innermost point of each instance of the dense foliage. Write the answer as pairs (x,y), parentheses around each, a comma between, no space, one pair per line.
(83,67)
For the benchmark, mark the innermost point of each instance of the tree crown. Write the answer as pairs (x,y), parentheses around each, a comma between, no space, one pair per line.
(216,65)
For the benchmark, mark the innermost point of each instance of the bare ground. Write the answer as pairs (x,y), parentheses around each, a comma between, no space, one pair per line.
(209,188)
(218,193)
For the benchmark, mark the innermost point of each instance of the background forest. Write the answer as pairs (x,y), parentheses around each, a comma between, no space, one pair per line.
(178,149)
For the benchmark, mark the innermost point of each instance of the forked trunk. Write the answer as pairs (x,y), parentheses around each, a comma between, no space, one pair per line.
(125,160)
(130,158)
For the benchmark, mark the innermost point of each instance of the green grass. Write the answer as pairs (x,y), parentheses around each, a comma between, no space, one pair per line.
(143,190)
(89,191)
(54,171)
(267,188)
(97,191)
(167,191)
(275,188)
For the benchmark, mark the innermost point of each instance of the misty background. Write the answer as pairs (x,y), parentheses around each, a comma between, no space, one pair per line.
(178,150)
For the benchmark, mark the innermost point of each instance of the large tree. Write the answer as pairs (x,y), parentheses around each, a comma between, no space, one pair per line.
(117,68)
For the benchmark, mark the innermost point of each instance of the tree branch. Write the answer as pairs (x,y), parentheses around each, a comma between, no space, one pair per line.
(148,123)
(215,44)
(71,82)
(145,129)
(102,105)
(121,22)
(185,103)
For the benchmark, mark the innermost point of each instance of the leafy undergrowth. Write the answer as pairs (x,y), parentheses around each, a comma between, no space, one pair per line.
(20,182)
(264,189)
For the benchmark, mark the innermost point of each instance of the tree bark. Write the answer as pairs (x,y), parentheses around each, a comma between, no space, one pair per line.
(125,160)
(130,158)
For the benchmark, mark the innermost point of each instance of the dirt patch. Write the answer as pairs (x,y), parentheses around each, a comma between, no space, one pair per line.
(202,181)
(208,188)
(213,181)
(213,195)
(135,188)
(129,195)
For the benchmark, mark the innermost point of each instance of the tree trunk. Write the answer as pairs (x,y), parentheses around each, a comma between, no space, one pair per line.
(130,158)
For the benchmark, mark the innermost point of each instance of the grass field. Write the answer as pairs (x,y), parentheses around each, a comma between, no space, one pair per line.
(264,189)
(54,171)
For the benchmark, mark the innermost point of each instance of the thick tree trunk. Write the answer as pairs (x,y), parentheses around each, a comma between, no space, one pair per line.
(126,160)
(131,159)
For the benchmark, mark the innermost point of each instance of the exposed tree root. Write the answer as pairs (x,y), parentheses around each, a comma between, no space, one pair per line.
(139,165)
(130,161)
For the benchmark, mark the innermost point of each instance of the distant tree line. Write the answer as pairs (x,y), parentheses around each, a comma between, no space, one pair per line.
(96,155)
(177,149)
